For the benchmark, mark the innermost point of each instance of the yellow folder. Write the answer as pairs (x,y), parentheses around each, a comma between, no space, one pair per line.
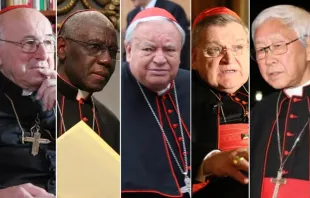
(87,167)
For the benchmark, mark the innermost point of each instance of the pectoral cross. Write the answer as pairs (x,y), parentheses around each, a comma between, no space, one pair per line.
(279,180)
(36,138)
(187,187)
(36,141)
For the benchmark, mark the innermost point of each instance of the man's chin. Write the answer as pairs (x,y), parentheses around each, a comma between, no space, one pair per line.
(94,87)
(229,88)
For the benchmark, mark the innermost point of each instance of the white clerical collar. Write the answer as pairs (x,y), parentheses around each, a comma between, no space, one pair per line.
(162,92)
(151,4)
(296,91)
(26,92)
(82,94)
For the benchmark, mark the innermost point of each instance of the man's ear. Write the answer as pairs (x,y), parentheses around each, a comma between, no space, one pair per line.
(61,45)
(308,47)
(128,51)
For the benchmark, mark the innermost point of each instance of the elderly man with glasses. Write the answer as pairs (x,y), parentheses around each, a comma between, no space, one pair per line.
(87,52)
(280,129)
(220,62)
(27,97)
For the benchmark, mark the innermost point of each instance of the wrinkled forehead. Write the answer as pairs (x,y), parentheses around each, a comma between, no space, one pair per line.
(25,24)
(157,29)
(229,33)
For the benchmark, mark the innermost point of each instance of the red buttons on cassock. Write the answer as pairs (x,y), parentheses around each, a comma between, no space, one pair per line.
(293,116)
(289,134)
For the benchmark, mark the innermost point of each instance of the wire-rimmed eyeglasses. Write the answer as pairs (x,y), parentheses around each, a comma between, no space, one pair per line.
(212,52)
(278,48)
(31,45)
(95,49)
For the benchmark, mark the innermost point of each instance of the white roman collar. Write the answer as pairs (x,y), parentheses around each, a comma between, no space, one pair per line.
(82,94)
(162,92)
(26,92)
(296,91)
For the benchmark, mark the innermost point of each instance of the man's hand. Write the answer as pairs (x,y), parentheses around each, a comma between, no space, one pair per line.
(222,164)
(25,191)
(47,90)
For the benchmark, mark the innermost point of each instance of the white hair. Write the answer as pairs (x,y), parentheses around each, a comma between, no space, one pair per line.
(134,24)
(294,17)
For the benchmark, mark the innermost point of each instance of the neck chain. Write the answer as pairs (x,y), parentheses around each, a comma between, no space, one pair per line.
(62,117)
(187,187)
(245,89)
(37,121)
(221,106)
(282,162)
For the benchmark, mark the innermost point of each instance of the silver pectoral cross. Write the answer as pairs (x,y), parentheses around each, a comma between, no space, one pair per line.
(187,187)
(35,137)
(279,180)
(36,141)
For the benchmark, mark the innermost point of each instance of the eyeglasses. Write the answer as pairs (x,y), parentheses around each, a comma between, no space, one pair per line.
(276,49)
(32,45)
(213,52)
(95,49)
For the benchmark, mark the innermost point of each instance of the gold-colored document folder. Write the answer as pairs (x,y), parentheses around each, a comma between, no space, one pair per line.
(87,167)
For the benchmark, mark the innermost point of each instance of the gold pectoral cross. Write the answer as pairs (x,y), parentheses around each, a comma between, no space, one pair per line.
(36,141)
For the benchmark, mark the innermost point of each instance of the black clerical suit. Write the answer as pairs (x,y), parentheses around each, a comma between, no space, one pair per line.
(17,164)
(148,167)
(73,111)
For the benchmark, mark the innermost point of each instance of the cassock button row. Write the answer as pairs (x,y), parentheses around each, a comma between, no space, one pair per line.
(296,100)
(175,125)
(284,172)
(170,111)
(244,102)
(293,116)
(237,99)
(289,134)
(85,119)
(286,152)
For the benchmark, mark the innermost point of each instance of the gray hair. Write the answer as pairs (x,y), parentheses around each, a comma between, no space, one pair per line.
(294,17)
(132,27)
(215,20)
(75,22)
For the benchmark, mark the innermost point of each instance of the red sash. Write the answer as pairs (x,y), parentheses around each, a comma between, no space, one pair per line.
(233,136)
(292,188)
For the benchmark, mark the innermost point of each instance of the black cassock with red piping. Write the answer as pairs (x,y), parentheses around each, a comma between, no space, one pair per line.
(265,160)
(148,166)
